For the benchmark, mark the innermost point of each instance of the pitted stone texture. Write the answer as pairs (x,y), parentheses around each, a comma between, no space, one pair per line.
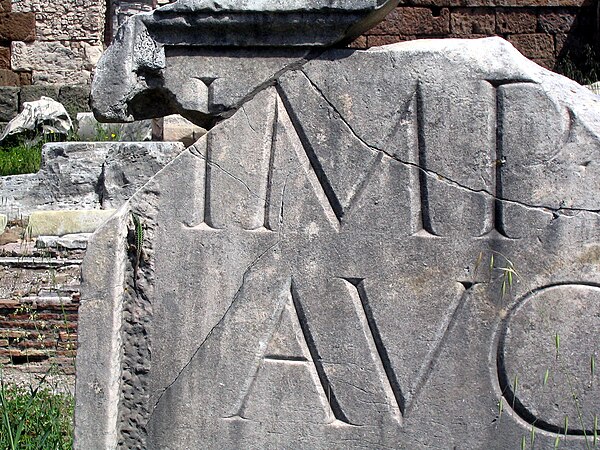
(353,260)
(76,61)
(9,103)
(135,81)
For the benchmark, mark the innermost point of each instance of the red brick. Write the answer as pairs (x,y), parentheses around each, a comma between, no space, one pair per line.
(564,42)
(17,26)
(556,21)
(28,352)
(498,3)
(9,78)
(515,21)
(465,21)
(359,42)
(376,41)
(547,63)
(534,46)
(25,78)
(414,21)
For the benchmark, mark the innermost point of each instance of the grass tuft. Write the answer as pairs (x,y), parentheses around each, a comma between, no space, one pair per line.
(35,417)
(20,158)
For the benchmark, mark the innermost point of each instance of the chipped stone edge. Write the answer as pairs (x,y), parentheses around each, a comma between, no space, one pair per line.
(99,355)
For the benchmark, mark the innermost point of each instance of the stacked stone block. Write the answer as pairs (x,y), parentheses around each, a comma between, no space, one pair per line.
(542,31)
(48,48)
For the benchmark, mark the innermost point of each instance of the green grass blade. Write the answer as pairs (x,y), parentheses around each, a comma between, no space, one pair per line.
(5,417)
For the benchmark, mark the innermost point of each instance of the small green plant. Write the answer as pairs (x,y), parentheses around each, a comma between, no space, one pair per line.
(35,417)
(106,133)
(502,268)
(560,367)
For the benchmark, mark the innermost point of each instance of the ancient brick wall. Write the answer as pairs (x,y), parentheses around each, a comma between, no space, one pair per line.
(48,48)
(547,32)
(39,299)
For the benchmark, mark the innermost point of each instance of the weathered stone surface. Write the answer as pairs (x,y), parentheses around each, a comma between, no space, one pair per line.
(134,80)
(535,45)
(9,78)
(352,260)
(559,21)
(75,98)
(53,62)
(127,167)
(473,21)
(516,20)
(59,223)
(3,222)
(4,58)
(419,21)
(177,128)
(33,93)
(265,23)
(75,241)
(88,175)
(66,20)
(9,103)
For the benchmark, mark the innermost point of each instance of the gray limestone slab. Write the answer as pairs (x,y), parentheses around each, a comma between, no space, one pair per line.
(353,260)
(135,78)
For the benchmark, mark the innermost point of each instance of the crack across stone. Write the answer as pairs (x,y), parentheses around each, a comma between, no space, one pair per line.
(234,301)
(196,153)
(271,81)
(439,177)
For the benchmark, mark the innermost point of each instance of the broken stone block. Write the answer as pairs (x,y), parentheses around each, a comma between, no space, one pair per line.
(86,175)
(134,80)
(76,241)
(59,223)
(376,250)
(39,118)
(179,129)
